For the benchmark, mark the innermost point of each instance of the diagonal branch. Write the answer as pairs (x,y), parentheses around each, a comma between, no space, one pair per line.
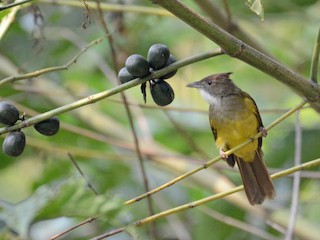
(238,49)
(111,7)
(224,21)
(213,161)
(39,72)
(301,167)
(110,92)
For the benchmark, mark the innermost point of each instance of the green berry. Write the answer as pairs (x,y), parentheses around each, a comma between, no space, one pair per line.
(137,66)
(48,127)
(161,92)
(124,76)
(14,143)
(158,55)
(9,114)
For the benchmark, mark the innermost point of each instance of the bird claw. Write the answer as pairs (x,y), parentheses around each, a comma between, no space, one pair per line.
(263,131)
(223,154)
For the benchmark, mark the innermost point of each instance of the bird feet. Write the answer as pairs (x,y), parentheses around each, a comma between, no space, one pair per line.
(223,154)
(263,131)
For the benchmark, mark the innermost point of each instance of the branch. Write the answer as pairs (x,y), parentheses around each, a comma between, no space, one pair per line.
(315,60)
(224,21)
(238,49)
(152,227)
(111,7)
(283,173)
(213,161)
(50,69)
(102,95)
(313,163)
(11,5)
(89,220)
(296,180)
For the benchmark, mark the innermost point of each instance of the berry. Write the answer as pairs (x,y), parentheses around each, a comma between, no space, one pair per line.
(14,143)
(158,55)
(137,66)
(161,92)
(170,60)
(124,76)
(48,127)
(9,114)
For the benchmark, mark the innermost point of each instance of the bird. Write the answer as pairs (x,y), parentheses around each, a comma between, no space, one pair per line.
(234,118)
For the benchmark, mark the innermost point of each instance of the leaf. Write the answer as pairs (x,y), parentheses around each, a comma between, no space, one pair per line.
(67,198)
(256,7)
(18,217)
(75,199)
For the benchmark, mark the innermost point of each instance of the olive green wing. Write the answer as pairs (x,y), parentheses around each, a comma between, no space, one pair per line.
(252,106)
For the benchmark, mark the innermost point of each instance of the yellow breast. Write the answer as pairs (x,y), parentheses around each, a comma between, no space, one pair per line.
(235,121)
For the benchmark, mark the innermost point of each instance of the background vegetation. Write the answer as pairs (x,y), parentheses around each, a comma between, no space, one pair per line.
(42,191)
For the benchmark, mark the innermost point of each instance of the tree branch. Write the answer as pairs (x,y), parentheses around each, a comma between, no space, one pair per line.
(110,7)
(107,93)
(224,21)
(313,163)
(238,49)
(315,60)
(213,161)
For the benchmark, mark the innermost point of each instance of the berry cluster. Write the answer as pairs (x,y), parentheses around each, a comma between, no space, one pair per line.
(14,143)
(136,66)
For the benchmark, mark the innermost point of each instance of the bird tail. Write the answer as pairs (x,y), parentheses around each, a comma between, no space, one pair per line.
(256,180)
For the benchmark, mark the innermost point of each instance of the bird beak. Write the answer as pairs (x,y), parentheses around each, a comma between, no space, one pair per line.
(194,85)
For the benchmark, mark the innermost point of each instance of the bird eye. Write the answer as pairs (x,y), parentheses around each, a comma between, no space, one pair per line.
(209,82)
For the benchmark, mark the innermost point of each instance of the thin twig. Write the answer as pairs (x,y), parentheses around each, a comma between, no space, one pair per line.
(228,12)
(315,60)
(218,17)
(296,180)
(111,7)
(82,174)
(153,232)
(7,20)
(50,69)
(185,135)
(108,234)
(313,163)
(213,161)
(110,92)
(250,228)
(89,220)
(186,109)
(14,4)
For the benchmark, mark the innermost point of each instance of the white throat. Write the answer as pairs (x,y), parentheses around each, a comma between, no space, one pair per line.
(211,100)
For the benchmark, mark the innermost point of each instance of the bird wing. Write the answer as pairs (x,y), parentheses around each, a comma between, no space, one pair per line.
(252,106)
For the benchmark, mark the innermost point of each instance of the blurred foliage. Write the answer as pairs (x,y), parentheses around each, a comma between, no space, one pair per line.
(43,184)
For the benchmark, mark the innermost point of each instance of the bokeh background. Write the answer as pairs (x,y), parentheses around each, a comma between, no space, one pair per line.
(42,193)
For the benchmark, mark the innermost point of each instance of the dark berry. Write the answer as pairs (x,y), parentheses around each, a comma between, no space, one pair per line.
(158,55)
(124,76)
(171,60)
(9,114)
(137,66)
(14,143)
(48,127)
(161,92)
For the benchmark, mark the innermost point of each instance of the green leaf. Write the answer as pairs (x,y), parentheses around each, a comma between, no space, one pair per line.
(70,198)
(75,199)
(18,217)
(256,7)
